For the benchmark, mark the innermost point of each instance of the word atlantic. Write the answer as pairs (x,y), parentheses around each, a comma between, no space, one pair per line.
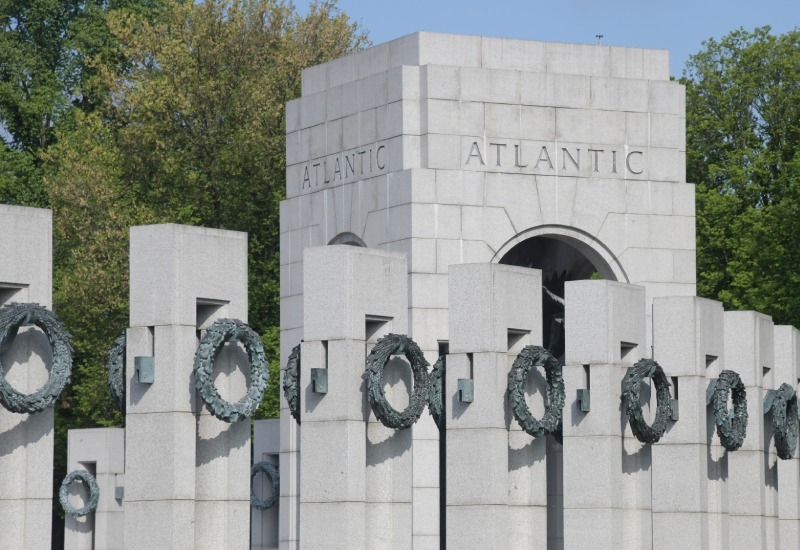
(550,158)
(354,164)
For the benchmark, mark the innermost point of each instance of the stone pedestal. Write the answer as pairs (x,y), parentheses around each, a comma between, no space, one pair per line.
(355,488)
(26,440)
(687,340)
(187,473)
(606,469)
(100,451)
(266,448)
(496,473)
(749,352)
(787,359)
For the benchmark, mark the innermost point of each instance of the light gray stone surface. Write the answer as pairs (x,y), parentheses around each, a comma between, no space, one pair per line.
(101,451)
(603,321)
(494,310)
(349,460)
(182,461)
(453,150)
(264,533)
(749,351)
(26,440)
(787,356)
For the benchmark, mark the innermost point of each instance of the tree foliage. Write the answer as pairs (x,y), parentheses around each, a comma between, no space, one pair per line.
(50,55)
(743,152)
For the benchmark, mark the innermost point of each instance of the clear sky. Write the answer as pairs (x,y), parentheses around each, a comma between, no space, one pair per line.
(679,26)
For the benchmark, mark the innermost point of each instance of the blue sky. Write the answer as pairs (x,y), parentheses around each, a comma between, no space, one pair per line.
(679,26)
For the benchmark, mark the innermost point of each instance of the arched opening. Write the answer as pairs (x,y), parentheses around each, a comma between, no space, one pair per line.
(561,258)
(348,238)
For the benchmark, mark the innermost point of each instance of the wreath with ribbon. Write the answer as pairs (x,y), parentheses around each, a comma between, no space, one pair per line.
(116,372)
(396,344)
(645,368)
(91,484)
(272,473)
(12,318)
(529,357)
(784,421)
(215,338)
(731,425)
(291,383)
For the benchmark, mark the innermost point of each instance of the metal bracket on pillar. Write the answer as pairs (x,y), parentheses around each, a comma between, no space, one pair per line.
(145,369)
(319,380)
(119,493)
(673,410)
(769,400)
(466,390)
(584,400)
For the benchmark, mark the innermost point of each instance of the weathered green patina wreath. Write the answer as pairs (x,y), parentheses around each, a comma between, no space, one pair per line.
(529,357)
(272,473)
(731,425)
(645,368)
(435,392)
(116,372)
(784,421)
(91,484)
(396,344)
(14,316)
(291,383)
(222,331)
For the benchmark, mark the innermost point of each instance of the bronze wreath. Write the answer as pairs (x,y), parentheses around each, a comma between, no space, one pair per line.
(91,484)
(14,316)
(435,393)
(731,425)
(630,396)
(222,331)
(529,357)
(396,344)
(272,472)
(291,383)
(784,421)
(116,372)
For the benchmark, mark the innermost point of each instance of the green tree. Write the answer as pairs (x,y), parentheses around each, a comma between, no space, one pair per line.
(191,131)
(50,54)
(743,152)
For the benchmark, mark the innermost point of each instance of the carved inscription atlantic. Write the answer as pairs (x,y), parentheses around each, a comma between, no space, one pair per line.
(544,158)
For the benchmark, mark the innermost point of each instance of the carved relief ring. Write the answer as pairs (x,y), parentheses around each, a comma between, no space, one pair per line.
(633,408)
(91,484)
(731,425)
(291,383)
(784,421)
(396,344)
(272,473)
(215,338)
(12,318)
(529,357)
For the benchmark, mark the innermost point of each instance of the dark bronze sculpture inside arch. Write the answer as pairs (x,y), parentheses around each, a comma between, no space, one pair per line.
(560,262)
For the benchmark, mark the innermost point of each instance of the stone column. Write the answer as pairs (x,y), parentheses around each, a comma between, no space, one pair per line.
(188,482)
(496,473)
(26,440)
(100,451)
(355,487)
(749,352)
(687,338)
(606,469)
(787,356)
(266,448)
